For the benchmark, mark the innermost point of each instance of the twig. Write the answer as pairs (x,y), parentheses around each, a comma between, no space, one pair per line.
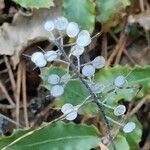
(120,51)
(3,106)
(97,35)
(129,57)
(41,114)
(6,94)
(104,46)
(11,76)
(24,95)
(119,46)
(18,89)
(138,106)
(124,50)
(94,96)
(10,120)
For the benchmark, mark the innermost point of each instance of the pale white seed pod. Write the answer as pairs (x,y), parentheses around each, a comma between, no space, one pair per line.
(119,110)
(83,38)
(51,55)
(40,63)
(72,116)
(129,127)
(57,90)
(97,87)
(72,29)
(99,62)
(53,79)
(67,108)
(65,78)
(37,56)
(120,81)
(77,50)
(61,23)
(88,70)
(49,26)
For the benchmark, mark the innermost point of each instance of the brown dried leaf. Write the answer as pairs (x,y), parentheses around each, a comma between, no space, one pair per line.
(143,19)
(2,5)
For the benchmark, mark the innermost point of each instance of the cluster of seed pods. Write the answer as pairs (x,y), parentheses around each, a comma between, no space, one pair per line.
(82,38)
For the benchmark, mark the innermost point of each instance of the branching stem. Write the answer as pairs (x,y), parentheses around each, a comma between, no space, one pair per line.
(93,95)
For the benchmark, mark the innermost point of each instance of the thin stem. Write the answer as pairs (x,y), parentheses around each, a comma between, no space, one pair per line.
(112,120)
(93,95)
(78,60)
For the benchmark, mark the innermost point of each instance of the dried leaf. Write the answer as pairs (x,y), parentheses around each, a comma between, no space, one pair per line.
(143,19)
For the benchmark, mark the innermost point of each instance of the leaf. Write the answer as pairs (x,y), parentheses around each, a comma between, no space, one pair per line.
(35,3)
(109,12)
(45,72)
(143,19)
(57,136)
(121,143)
(135,76)
(5,140)
(75,93)
(82,12)
(134,137)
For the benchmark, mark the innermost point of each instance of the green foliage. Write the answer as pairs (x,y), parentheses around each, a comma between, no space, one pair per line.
(82,12)
(108,11)
(35,3)
(55,136)
(46,71)
(134,78)
(121,143)
(135,137)
(75,93)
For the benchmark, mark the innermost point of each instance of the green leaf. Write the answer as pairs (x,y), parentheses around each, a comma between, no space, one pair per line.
(5,140)
(75,93)
(35,3)
(121,143)
(57,136)
(82,12)
(134,137)
(45,72)
(109,10)
(135,76)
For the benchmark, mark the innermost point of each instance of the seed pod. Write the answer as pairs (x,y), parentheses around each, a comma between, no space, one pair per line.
(57,90)
(99,62)
(53,79)
(37,56)
(49,26)
(51,55)
(40,63)
(72,29)
(88,70)
(69,108)
(119,81)
(61,23)
(83,38)
(119,110)
(77,50)
(129,127)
